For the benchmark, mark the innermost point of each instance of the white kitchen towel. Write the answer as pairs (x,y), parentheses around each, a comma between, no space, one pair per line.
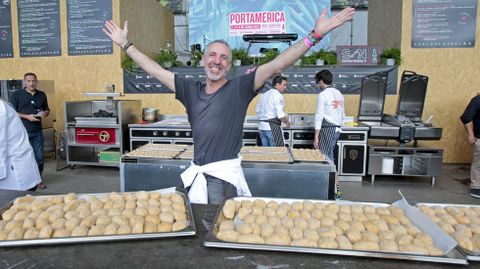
(227,170)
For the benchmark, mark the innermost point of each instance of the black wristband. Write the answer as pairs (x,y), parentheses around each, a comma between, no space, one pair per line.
(127,46)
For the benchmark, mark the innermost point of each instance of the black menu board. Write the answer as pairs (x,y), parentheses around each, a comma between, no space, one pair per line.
(85,19)
(39,28)
(444,23)
(6,46)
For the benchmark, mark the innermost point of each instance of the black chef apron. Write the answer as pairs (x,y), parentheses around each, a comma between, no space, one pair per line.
(275,126)
(326,136)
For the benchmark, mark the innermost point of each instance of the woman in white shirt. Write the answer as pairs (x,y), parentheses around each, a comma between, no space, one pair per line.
(18,169)
(329,114)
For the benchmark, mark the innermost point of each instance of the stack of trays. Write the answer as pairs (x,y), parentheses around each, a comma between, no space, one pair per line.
(72,218)
(324,227)
(307,155)
(162,151)
(461,222)
(266,154)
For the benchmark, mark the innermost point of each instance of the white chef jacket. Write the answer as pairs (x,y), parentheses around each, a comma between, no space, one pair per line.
(330,105)
(227,170)
(270,106)
(18,168)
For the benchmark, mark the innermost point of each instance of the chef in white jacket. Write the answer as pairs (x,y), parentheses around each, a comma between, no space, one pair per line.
(18,169)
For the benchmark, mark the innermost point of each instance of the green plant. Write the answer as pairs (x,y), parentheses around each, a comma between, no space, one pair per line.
(166,58)
(268,56)
(242,55)
(128,63)
(309,60)
(330,58)
(196,58)
(393,53)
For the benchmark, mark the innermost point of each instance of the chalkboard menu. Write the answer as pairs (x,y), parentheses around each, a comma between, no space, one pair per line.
(39,28)
(444,23)
(85,19)
(6,46)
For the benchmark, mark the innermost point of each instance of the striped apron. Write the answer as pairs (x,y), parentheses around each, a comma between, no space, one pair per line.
(275,126)
(326,136)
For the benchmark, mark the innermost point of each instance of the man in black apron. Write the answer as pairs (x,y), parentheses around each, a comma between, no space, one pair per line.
(270,112)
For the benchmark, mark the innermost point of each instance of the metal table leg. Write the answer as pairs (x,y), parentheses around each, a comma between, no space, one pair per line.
(433,181)
(373,178)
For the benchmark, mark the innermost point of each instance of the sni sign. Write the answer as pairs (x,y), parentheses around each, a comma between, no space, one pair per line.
(358,55)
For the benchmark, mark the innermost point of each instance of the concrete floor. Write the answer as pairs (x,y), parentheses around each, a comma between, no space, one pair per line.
(450,187)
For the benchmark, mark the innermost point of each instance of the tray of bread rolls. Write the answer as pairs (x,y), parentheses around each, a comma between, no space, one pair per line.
(324,227)
(266,154)
(81,218)
(162,151)
(307,155)
(460,221)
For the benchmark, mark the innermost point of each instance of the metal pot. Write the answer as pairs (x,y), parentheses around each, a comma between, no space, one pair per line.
(150,114)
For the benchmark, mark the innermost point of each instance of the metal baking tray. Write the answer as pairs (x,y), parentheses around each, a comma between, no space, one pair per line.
(189,231)
(471,255)
(297,159)
(453,257)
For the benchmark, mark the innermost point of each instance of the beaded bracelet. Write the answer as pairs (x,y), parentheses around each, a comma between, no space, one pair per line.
(127,46)
(317,36)
(307,42)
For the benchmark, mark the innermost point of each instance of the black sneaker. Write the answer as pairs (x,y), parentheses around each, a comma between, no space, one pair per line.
(475,193)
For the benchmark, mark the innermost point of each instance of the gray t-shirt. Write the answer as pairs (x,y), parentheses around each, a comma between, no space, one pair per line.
(216,119)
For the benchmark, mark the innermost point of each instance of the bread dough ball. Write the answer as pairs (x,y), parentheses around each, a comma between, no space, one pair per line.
(99,212)
(131,205)
(366,245)
(97,230)
(369,209)
(69,197)
(24,200)
(343,242)
(463,240)
(381,225)
(16,233)
(128,213)
(305,214)
(391,219)
(295,233)
(327,243)
(13,224)
(330,214)
(45,232)
(412,230)
(59,233)
(72,205)
(425,238)
(369,236)
(244,212)
(9,214)
(357,225)
(398,229)
(359,217)
(303,242)
(300,223)
(326,232)
(177,198)
(354,235)
(27,224)
(447,227)
(180,225)
(332,207)
(396,211)
(345,209)
(287,222)
(229,236)
(311,234)
(3,235)
(371,227)
(33,215)
(226,225)
(255,228)
(345,217)
(372,216)
(274,221)
(358,209)
(142,211)
(40,223)
(150,227)
(343,225)
(386,235)
(247,203)
(404,239)
(278,239)
(249,219)
(21,215)
(413,249)
(448,218)
(167,217)
(308,206)
(382,211)
(71,223)
(272,204)
(142,195)
(317,213)
(327,222)
(434,251)
(297,206)
(58,224)
(464,229)
(475,228)
(127,196)
(281,230)
(114,212)
(31,233)
(244,228)
(282,212)
(137,227)
(144,203)
(260,219)
(83,212)
(80,231)
(293,214)
(314,223)
(70,214)
(153,219)
(229,209)
(259,202)
(250,239)
(270,212)
(164,227)
(88,222)
(103,220)
(266,230)
(388,245)
(155,202)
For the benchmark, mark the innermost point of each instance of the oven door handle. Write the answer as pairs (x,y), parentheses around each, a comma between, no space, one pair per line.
(84,134)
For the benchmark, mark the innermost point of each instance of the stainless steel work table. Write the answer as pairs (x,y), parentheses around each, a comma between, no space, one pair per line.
(302,180)
(181,252)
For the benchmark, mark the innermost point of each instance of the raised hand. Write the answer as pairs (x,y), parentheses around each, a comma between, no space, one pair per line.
(115,33)
(323,25)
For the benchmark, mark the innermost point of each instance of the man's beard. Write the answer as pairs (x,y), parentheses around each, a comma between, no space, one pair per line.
(214,77)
